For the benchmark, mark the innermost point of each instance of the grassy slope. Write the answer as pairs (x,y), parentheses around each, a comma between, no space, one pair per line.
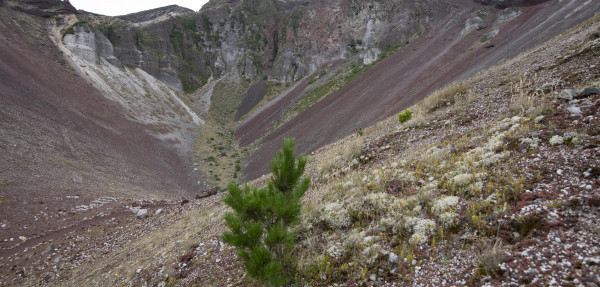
(219,153)
(436,190)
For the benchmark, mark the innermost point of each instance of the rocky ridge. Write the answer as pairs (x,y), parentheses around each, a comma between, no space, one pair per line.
(42,8)
(155,15)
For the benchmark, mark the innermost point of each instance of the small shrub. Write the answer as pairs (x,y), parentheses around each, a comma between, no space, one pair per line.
(526,224)
(71,29)
(404,116)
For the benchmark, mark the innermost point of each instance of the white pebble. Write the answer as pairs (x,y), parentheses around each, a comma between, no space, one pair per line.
(588,187)
(559,171)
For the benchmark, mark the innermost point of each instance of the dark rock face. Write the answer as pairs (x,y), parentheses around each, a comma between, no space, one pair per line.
(588,92)
(253,96)
(46,8)
(510,3)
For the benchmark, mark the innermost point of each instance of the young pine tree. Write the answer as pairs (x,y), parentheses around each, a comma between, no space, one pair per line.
(261,218)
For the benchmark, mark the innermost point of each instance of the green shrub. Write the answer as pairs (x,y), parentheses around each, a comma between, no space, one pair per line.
(261,218)
(404,116)
(71,29)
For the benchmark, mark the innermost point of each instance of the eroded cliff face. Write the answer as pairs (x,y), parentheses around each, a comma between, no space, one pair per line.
(91,45)
(282,40)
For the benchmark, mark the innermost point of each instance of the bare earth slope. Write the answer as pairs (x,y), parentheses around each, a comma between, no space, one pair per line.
(440,56)
(66,149)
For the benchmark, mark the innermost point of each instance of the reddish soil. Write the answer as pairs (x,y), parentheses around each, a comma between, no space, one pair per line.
(65,163)
(436,59)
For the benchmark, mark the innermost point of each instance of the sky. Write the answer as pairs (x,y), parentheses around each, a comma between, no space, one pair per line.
(122,7)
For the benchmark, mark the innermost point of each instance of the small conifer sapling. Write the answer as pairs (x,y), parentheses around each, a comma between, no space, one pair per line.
(262,218)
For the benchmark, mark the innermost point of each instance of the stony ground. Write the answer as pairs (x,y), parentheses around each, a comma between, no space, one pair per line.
(493,182)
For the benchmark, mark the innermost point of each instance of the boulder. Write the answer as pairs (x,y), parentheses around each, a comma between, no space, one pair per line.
(588,92)
(568,94)
(574,110)
(393,258)
(142,213)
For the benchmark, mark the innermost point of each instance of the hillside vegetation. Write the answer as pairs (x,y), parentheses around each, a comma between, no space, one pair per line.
(494,180)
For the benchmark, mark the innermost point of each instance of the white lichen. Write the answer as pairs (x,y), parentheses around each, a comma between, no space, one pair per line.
(442,204)
(463,179)
(335,251)
(515,120)
(421,228)
(336,216)
(495,142)
(448,219)
(556,140)
(531,142)
(492,159)
(379,201)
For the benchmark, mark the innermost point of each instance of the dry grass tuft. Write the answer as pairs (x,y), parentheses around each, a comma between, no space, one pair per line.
(335,160)
(489,255)
(445,96)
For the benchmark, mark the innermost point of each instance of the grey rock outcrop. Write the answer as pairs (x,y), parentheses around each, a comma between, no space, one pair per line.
(89,44)
(568,94)
(472,25)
